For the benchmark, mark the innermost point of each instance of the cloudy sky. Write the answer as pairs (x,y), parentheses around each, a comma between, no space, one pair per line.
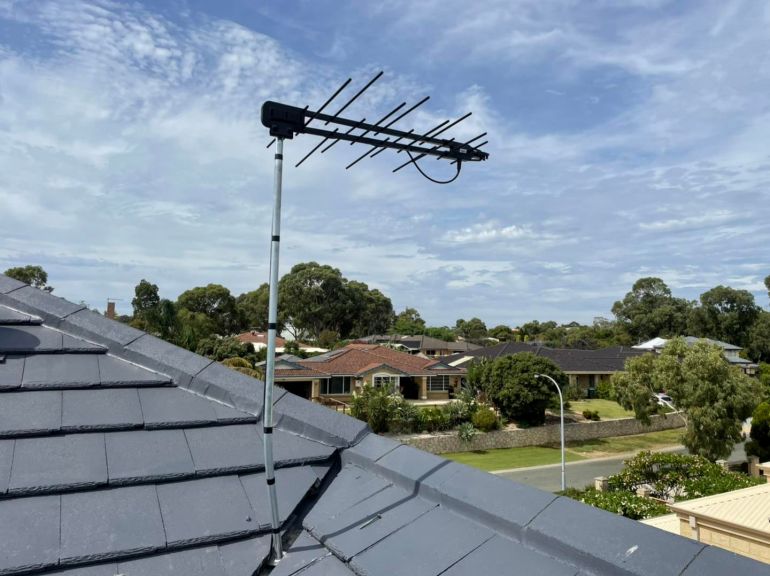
(627,139)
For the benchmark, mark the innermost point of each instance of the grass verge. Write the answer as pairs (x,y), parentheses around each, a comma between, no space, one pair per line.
(607,409)
(623,444)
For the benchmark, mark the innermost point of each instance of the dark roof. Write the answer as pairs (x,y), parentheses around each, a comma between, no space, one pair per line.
(419,342)
(123,454)
(569,360)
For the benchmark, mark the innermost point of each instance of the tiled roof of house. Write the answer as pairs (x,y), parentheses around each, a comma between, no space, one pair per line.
(569,360)
(419,342)
(355,359)
(123,454)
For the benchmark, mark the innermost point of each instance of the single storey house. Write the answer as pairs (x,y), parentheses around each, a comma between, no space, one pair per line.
(730,351)
(420,344)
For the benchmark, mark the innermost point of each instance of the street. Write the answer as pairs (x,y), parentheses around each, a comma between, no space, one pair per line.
(580,474)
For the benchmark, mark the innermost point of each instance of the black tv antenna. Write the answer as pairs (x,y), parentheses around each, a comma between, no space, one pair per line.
(286,122)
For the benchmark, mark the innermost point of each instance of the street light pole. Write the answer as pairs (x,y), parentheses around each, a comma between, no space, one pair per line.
(561,422)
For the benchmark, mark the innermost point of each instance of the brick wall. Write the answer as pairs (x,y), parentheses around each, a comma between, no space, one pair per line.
(540,435)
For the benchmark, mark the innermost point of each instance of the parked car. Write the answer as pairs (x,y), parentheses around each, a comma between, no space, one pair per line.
(664,400)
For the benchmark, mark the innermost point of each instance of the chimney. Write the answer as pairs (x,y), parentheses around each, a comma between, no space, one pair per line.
(110,310)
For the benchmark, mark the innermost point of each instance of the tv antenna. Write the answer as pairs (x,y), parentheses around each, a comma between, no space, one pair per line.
(286,122)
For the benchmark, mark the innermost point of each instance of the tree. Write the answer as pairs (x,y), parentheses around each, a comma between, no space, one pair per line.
(369,311)
(473,330)
(216,303)
(509,383)
(715,397)
(649,310)
(32,275)
(502,333)
(253,307)
(767,284)
(220,349)
(444,333)
(146,300)
(758,347)
(759,444)
(725,314)
(409,323)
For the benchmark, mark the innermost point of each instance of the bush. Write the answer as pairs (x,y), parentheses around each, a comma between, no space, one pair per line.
(624,503)
(759,444)
(237,362)
(466,432)
(433,420)
(591,415)
(605,390)
(373,406)
(456,413)
(404,417)
(485,419)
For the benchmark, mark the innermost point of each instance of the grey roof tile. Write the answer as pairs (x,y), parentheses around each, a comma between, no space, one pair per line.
(10,316)
(104,524)
(315,421)
(304,552)
(227,415)
(36,412)
(714,561)
(197,562)
(58,463)
(174,407)
(502,556)
(494,501)
(370,449)
(21,339)
(205,510)
(292,484)
(101,409)
(245,557)
(6,457)
(231,448)
(116,372)
(61,371)
(8,284)
(29,533)
(108,569)
(370,520)
(157,354)
(73,344)
(428,546)
(11,371)
(603,541)
(147,455)
(410,467)
(41,303)
(94,326)
(328,566)
(351,485)
(232,388)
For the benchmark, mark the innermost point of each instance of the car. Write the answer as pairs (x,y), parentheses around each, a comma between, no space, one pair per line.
(664,400)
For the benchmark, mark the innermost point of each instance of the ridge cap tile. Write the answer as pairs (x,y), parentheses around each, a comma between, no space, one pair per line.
(8,284)
(52,309)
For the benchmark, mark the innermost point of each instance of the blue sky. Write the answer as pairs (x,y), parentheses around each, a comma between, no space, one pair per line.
(627,139)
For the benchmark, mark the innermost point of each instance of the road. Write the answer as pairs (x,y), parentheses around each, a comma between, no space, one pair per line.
(580,474)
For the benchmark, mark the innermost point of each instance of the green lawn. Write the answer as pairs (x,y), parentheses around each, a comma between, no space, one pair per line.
(622,444)
(505,458)
(608,409)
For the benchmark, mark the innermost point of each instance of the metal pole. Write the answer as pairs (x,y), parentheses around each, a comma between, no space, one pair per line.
(561,422)
(276,553)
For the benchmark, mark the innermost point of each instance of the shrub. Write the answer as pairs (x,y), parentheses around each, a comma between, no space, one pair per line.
(456,413)
(605,390)
(373,406)
(624,503)
(404,417)
(237,362)
(591,415)
(466,432)
(485,419)
(433,420)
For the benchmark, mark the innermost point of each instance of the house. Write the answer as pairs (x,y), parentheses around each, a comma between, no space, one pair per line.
(123,454)
(586,369)
(738,521)
(420,344)
(730,351)
(258,341)
(336,375)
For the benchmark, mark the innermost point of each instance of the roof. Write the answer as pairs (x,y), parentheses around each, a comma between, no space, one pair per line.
(657,343)
(419,342)
(356,359)
(667,522)
(123,454)
(570,360)
(748,508)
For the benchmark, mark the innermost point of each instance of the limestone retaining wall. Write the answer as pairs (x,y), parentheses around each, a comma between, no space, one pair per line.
(540,435)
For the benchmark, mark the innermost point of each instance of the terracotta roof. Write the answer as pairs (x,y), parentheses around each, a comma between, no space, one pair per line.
(260,338)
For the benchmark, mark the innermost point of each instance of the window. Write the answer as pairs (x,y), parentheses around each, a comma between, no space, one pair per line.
(438,383)
(336,385)
(386,381)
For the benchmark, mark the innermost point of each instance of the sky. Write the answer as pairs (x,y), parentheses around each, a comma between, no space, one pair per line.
(627,138)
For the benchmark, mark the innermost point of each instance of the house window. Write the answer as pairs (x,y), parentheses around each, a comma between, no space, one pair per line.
(386,381)
(336,385)
(430,353)
(438,383)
